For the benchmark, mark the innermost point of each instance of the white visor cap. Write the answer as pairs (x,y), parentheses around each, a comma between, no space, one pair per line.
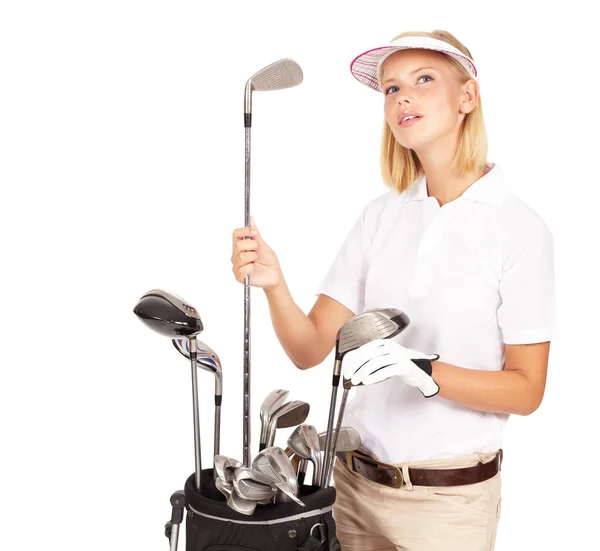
(365,67)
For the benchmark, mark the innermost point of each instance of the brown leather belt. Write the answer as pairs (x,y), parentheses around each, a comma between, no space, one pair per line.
(389,475)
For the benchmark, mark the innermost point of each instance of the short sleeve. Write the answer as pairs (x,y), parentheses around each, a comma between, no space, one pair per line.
(527,292)
(345,280)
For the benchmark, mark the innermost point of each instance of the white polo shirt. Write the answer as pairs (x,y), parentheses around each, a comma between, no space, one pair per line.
(471,275)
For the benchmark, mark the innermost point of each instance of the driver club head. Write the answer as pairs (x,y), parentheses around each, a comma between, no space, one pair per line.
(171,316)
(168,314)
(377,323)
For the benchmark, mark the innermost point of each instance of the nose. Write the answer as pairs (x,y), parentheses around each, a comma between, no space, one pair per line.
(403,99)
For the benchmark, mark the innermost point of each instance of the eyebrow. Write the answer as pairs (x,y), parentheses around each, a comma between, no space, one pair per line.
(415,71)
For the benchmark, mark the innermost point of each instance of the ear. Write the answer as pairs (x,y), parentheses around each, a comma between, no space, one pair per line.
(469,97)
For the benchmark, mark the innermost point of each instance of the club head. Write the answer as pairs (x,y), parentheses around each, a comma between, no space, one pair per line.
(377,323)
(252,485)
(168,314)
(312,440)
(274,463)
(288,415)
(348,440)
(297,442)
(219,463)
(281,74)
(226,488)
(285,491)
(304,441)
(249,473)
(271,403)
(255,491)
(213,363)
(207,360)
(241,505)
(229,468)
(234,501)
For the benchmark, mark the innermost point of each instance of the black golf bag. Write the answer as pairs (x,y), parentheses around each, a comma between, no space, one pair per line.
(212,525)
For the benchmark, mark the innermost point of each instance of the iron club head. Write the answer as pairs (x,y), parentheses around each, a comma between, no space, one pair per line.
(281,74)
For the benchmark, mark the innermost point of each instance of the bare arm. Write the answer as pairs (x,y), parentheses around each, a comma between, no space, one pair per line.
(306,339)
(518,388)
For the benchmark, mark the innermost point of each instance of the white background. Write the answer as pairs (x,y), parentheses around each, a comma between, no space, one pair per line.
(122,170)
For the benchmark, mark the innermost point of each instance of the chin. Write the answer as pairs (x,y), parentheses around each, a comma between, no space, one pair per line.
(409,144)
(416,142)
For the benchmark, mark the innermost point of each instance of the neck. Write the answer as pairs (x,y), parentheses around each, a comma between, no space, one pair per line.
(442,183)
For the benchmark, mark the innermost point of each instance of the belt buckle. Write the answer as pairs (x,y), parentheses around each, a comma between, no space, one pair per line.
(399,476)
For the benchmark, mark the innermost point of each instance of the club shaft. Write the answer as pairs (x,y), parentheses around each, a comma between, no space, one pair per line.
(302,466)
(318,467)
(246,425)
(264,430)
(329,462)
(197,449)
(334,389)
(270,439)
(217,444)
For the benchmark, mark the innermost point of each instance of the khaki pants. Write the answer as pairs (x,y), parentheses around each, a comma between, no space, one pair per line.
(371,516)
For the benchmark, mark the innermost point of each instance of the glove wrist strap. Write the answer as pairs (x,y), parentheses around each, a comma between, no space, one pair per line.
(425,365)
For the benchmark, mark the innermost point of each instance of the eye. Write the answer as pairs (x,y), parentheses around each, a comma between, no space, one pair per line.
(392,87)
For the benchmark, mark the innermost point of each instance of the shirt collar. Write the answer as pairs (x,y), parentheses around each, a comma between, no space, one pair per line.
(490,188)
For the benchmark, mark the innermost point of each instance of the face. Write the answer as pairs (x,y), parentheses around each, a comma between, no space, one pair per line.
(420,81)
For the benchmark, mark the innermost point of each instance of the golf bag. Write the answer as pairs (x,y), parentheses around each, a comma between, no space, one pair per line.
(212,525)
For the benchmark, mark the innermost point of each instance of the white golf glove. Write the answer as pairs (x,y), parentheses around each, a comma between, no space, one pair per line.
(381,359)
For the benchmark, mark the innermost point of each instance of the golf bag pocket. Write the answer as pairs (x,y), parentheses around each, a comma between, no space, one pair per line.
(211,525)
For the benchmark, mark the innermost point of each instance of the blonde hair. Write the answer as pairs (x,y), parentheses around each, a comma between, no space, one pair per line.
(401,166)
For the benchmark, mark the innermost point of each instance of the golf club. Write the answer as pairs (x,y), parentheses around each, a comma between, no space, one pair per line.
(377,323)
(241,505)
(224,487)
(219,464)
(275,464)
(284,73)
(229,468)
(170,315)
(288,415)
(252,485)
(348,440)
(234,500)
(304,442)
(271,403)
(209,361)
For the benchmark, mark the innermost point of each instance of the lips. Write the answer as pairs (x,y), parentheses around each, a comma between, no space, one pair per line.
(410,122)
(408,113)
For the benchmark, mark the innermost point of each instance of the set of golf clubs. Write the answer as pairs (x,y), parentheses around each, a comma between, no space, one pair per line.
(170,315)
(271,476)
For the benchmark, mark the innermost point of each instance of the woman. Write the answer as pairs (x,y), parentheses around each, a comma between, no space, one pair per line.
(472,266)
